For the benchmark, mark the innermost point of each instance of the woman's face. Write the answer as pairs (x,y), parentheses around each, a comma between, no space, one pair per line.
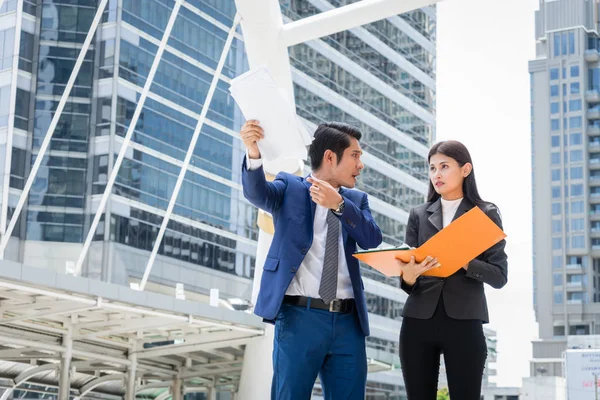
(447,176)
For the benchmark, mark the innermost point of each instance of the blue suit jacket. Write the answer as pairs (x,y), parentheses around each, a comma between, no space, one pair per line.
(287,198)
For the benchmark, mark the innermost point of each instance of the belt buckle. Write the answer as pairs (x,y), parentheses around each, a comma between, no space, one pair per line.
(335,305)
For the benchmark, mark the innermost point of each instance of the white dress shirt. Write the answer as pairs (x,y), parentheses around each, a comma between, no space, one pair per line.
(307,280)
(449,208)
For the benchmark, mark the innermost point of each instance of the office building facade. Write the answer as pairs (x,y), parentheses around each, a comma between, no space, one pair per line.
(565,128)
(379,77)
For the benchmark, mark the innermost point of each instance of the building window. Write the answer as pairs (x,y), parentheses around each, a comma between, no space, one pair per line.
(4,104)
(575,122)
(575,105)
(7,38)
(571,42)
(555,175)
(557,262)
(555,141)
(574,71)
(578,329)
(575,89)
(555,158)
(556,226)
(576,139)
(576,155)
(554,108)
(556,208)
(556,192)
(558,297)
(577,224)
(556,44)
(564,44)
(554,74)
(557,279)
(576,172)
(577,207)
(577,242)
(556,243)
(554,90)
(577,190)
(554,124)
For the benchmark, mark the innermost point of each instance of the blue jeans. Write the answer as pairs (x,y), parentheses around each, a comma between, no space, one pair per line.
(310,342)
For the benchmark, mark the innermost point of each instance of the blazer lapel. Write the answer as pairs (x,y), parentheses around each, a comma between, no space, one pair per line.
(436,214)
(344,233)
(464,206)
(312,205)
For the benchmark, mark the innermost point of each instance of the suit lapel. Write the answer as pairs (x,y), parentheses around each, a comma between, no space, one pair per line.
(436,214)
(436,218)
(344,233)
(464,206)
(311,204)
(313,207)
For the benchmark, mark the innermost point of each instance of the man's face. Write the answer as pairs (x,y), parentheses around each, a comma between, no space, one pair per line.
(346,172)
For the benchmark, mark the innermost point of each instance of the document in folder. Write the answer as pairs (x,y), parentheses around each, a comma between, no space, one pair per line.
(258,97)
(454,246)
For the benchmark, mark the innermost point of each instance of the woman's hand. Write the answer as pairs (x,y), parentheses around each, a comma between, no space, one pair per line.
(412,269)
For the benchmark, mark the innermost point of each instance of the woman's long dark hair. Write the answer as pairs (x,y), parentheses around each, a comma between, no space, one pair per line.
(457,151)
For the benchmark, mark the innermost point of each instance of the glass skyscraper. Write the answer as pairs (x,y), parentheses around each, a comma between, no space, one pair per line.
(379,77)
(565,125)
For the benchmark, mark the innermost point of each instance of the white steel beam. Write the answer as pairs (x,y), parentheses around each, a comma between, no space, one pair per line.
(127,139)
(131,373)
(94,383)
(262,25)
(48,137)
(129,326)
(210,372)
(43,314)
(11,118)
(177,388)
(181,349)
(45,304)
(221,354)
(190,151)
(64,383)
(25,376)
(129,309)
(164,396)
(346,17)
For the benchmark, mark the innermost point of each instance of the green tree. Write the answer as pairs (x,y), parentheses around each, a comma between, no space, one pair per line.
(443,394)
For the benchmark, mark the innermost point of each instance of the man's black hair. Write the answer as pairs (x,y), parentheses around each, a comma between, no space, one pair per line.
(334,136)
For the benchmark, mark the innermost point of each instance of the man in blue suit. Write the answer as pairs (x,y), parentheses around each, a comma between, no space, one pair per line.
(311,285)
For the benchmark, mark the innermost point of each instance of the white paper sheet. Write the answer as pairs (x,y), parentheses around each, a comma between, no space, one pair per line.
(258,97)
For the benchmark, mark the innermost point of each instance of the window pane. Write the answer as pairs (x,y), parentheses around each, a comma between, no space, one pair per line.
(574,71)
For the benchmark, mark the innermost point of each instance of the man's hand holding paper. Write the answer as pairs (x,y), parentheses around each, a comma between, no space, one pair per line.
(259,98)
(250,134)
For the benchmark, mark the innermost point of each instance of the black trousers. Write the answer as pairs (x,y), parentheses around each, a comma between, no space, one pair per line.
(463,344)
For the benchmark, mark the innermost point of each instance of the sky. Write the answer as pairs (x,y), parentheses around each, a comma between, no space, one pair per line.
(483,101)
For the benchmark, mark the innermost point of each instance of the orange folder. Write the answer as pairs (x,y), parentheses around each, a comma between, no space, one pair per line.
(454,246)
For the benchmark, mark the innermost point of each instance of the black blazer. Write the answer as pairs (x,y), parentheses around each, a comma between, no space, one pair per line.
(464,297)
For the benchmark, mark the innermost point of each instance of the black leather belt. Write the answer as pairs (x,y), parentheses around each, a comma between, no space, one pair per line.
(337,305)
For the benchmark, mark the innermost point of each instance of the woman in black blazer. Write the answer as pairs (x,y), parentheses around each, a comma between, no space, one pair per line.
(445,315)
